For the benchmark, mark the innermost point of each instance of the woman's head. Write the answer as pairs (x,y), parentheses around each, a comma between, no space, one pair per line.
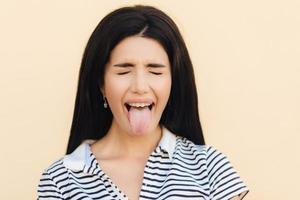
(137,72)
(132,26)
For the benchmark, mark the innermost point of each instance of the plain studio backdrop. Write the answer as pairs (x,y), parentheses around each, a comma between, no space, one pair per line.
(247,68)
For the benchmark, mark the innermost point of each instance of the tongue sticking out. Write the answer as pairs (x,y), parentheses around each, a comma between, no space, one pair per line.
(139,119)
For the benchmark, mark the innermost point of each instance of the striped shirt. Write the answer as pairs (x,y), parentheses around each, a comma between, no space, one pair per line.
(176,169)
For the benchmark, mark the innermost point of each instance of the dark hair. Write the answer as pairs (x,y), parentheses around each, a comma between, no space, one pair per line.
(91,120)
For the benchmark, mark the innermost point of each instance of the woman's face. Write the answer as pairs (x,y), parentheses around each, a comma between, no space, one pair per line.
(138,72)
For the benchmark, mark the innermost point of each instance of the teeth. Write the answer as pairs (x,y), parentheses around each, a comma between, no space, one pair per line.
(139,104)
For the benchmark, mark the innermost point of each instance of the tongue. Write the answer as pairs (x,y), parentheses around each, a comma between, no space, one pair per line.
(139,119)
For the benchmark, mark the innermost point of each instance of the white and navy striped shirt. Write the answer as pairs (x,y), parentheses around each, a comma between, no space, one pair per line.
(176,169)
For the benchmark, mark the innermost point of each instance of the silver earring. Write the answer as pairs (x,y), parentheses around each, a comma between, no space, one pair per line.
(105,103)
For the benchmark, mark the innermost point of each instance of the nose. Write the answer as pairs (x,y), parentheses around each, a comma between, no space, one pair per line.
(139,83)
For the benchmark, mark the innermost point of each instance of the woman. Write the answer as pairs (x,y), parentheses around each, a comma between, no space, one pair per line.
(136,132)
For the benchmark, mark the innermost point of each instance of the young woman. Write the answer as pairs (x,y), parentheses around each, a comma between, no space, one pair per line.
(136,132)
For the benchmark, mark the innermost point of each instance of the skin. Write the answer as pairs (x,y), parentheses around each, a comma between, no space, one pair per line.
(122,152)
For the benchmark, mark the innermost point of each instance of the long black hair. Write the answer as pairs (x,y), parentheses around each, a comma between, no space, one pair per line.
(90,119)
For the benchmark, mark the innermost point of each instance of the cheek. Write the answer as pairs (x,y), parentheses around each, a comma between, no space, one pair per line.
(163,89)
(115,89)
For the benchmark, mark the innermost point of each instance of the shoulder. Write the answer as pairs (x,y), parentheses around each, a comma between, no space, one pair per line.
(217,163)
(49,180)
(205,151)
(212,154)
(209,153)
(205,155)
(224,181)
(54,172)
(56,165)
(57,172)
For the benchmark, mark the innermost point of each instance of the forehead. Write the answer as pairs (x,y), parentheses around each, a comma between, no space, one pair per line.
(137,48)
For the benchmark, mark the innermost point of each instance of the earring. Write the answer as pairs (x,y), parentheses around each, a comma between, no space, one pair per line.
(105,103)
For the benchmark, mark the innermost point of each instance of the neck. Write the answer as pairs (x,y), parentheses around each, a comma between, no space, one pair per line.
(120,144)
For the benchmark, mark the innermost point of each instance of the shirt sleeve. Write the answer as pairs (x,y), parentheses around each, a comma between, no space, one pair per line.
(224,181)
(47,189)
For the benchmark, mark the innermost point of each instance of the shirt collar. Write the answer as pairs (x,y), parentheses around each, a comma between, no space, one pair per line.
(168,141)
(80,157)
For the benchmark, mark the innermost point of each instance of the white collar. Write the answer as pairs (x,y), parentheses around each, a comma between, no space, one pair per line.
(80,157)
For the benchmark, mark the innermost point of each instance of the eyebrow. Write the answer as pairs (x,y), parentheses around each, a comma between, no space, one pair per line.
(126,64)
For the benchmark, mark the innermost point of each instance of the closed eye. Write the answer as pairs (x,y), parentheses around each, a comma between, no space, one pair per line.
(156,73)
(122,73)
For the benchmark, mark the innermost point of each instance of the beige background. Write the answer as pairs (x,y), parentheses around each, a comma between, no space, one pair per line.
(246,59)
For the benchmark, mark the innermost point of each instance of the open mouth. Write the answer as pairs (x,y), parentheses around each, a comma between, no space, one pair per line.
(128,106)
